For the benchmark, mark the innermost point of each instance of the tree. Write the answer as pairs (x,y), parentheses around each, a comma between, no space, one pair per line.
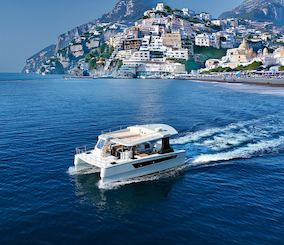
(281,68)
(168,9)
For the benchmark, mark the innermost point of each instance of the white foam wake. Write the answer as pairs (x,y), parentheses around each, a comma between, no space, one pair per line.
(198,135)
(248,151)
(195,136)
(81,171)
(235,134)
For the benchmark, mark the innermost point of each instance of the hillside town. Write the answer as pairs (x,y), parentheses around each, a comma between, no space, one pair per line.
(168,43)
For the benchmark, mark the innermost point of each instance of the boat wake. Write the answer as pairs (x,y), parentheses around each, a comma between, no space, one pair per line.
(241,140)
(258,149)
(217,146)
(82,171)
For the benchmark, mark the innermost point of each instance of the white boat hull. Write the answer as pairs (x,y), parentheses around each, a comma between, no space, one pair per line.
(142,167)
(134,168)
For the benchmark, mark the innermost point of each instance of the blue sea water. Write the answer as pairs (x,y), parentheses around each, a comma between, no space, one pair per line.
(232,191)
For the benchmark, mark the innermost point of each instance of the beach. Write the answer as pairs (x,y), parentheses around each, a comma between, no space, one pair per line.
(262,81)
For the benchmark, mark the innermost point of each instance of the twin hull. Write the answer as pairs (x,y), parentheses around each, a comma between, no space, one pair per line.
(139,167)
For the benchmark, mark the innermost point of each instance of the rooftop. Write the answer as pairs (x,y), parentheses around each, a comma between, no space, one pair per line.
(139,134)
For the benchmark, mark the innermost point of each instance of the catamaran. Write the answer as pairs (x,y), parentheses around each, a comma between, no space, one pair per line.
(131,152)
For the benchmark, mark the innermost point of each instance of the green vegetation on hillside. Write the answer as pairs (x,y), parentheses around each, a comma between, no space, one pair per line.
(119,63)
(190,64)
(168,9)
(210,52)
(101,53)
(219,69)
(205,53)
(191,19)
(251,67)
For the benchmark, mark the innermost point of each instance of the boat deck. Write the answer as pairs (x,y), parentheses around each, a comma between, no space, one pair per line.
(124,134)
(132,137)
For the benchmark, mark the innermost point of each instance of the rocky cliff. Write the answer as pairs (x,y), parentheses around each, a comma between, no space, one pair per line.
(128,10)
(259,10)
(33,64)
(125,11)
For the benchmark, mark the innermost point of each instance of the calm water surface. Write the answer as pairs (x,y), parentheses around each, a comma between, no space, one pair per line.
(231,192)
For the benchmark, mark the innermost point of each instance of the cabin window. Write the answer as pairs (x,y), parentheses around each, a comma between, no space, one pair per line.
(147,146)
(100,144)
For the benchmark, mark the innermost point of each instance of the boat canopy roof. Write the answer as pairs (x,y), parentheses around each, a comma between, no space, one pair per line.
(139,134)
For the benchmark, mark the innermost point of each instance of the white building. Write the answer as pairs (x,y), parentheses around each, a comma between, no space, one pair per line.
(202,40)
(205,16)
(266,37)
(140,56)
(280,40)
(160,7)
(212,64)
(180,54)
(206,40)
(116,40)
(156,43)
(94,32)
(145,43)
(279,55)
(161,68)
(227,41)
(124,54)
(216,22)
(187,12)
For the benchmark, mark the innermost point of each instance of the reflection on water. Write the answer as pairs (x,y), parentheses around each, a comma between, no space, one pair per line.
(123,199)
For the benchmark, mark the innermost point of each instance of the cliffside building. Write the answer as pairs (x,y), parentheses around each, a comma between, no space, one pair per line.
(172,40)
(207,40)
(132,44)
(243,55)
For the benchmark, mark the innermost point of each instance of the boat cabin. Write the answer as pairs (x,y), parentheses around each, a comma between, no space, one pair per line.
(136,142)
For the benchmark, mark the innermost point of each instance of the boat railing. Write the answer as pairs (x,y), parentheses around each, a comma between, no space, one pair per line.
(84,149)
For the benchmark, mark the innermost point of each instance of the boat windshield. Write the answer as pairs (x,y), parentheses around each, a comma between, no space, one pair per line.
(100,144)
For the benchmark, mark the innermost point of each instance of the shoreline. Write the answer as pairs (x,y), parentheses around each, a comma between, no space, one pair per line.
(248,81)
(267,82)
